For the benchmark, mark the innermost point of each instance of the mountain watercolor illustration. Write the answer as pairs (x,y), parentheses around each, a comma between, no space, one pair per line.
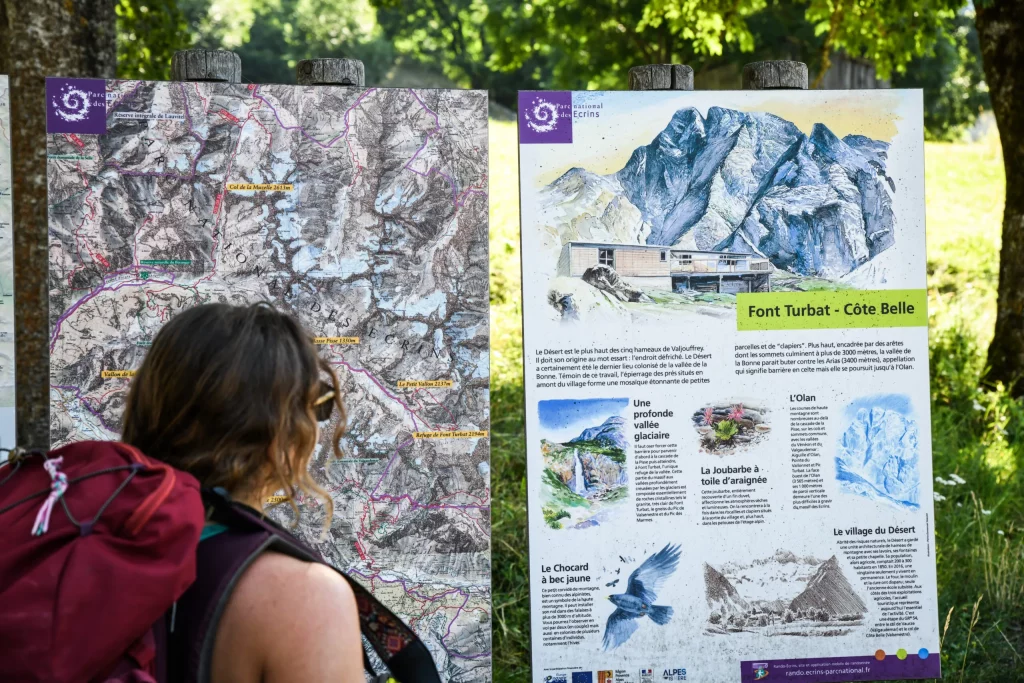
(877,454)
(717,205)
(782,595)
(585,478)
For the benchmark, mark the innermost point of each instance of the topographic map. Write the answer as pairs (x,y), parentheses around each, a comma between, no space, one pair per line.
(6,275)
(362,211)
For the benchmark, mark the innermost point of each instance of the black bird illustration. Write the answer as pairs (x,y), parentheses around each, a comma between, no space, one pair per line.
(638,600)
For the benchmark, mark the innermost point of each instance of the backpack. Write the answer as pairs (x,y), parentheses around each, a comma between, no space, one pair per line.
(98,566)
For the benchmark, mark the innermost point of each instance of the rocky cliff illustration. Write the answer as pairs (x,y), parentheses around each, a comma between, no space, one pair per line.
(728,427)
(728,203)
(877,454)
(585,477)
(783,595)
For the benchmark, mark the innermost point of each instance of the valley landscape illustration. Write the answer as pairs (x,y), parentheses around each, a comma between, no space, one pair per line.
(731,202)
(782,595)
(585,477)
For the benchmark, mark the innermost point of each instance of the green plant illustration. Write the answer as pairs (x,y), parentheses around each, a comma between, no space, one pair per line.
(552,517)
(725,430)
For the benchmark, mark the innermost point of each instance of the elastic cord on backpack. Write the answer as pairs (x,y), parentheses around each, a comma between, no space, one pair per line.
(58,485)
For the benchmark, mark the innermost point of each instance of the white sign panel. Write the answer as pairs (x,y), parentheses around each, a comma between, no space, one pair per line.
(7,416)
(726,365)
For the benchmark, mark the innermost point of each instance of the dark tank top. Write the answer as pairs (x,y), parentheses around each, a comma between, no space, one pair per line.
(221,560)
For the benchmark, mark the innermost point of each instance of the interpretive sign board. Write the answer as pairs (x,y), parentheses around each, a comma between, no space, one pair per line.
(364,212)
(726,368)
(7,415)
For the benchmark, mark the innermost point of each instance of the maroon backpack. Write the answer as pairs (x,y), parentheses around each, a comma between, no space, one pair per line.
(96,542)
(99,549)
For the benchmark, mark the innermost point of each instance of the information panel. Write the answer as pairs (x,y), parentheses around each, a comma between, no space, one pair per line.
(726,367)
(364,212)
(7,416)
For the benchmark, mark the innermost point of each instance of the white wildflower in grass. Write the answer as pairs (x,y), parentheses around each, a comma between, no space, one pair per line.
(938,496)
(945,482)
(957,478)
(978,406)
(986,512)
(959,505)
(1000,532)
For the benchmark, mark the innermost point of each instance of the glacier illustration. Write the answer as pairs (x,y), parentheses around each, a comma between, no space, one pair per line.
(878,451)
(743,182)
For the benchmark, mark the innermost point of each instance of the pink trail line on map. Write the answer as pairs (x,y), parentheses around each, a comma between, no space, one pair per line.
(255,94)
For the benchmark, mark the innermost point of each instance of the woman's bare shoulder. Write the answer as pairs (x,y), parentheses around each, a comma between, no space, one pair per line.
(297,619)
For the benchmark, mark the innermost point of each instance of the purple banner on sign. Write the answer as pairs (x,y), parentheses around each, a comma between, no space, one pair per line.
(922,664)
(76,105)
(545,117)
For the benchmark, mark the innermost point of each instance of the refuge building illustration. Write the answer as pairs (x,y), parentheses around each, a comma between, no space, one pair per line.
(660,267)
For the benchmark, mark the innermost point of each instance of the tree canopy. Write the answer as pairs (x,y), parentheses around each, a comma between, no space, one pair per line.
(508,45)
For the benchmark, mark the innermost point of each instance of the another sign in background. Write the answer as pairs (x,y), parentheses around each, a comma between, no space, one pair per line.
(7,366)
(727,400)
(362,211)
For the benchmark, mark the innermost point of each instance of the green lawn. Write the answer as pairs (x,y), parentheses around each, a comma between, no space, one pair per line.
(977,435)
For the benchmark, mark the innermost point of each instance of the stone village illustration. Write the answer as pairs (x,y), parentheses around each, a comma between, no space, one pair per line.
(714,206)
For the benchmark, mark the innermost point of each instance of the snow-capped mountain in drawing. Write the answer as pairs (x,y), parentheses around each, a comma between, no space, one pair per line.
(746,182)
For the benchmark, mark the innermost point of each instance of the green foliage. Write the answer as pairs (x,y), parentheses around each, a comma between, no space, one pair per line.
(457,38)
(614,453)
(952,78)
(148,34)
(271,36)
(593,44)
(888,33)
(561,493)
(552,517)
(725,430)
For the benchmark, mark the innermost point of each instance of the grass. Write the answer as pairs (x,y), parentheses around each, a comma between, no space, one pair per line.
(977,435)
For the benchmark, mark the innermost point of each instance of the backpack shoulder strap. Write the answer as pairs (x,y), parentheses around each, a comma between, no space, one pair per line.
(221,561)
(192,621)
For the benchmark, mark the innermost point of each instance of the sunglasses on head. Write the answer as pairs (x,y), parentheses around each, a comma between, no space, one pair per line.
(323,407)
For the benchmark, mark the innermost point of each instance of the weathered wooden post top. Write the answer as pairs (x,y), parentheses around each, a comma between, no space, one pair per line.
(661,77)
(217,66)
(775,75)
(331,71)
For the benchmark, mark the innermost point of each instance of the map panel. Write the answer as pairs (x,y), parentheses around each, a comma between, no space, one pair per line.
(7,416)
(364,212)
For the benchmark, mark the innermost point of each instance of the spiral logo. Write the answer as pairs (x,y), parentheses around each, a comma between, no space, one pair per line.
(542,116)
(71,104)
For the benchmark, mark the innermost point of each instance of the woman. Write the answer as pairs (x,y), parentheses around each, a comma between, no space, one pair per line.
(233,395)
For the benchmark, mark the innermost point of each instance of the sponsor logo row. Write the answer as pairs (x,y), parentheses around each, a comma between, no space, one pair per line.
(618,676)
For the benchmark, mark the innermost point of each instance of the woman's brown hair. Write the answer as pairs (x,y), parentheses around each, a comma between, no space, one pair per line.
(227,394)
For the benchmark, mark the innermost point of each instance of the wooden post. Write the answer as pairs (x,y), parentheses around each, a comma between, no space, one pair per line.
(775,75)
(661,77)
(331,71)
(217,66)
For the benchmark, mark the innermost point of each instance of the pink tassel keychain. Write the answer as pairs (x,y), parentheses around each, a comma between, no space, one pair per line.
(58,485)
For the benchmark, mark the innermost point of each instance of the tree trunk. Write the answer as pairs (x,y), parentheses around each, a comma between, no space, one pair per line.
(40,38)
(1001,34)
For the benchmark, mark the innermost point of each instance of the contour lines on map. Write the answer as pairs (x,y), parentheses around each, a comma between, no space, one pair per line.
(365,213)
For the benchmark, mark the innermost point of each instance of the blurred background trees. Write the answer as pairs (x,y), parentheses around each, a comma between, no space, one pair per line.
(507,45)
